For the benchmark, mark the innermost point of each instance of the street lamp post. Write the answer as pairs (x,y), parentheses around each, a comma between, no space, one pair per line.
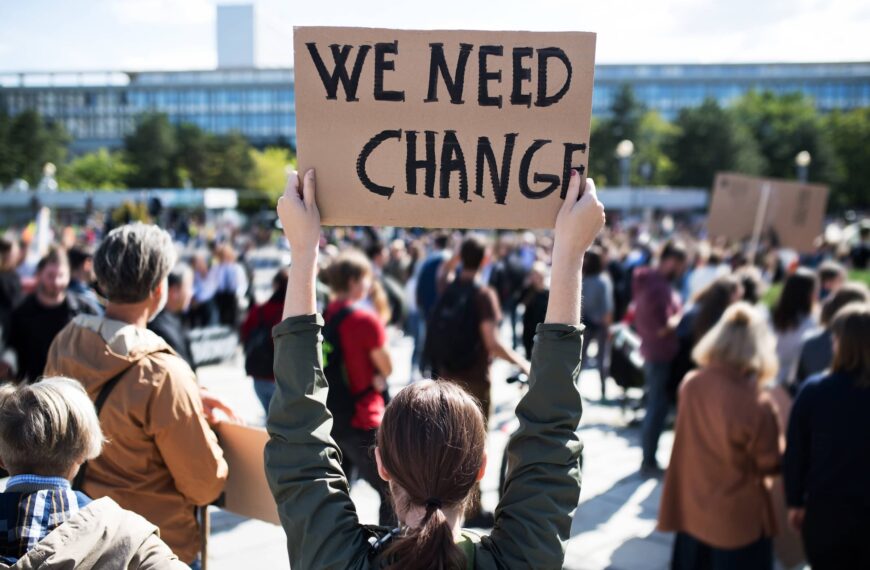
(802,161)
(624,150)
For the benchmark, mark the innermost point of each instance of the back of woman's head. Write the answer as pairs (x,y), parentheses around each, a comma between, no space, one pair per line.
(741,340)
(851,328)
(796,300)
(431,443)
(712,301)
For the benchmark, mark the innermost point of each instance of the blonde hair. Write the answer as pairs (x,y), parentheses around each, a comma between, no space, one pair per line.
(741,340)
(46,428)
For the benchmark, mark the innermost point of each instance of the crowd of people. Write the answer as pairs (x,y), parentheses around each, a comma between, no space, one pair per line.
(760,388)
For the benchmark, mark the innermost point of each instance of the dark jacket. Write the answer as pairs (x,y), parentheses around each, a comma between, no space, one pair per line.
(817,352)
(533,519)
(827,456)
(169,327)
(32,328)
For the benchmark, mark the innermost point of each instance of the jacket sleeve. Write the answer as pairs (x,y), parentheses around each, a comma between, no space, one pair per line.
(303,463)
(186,442)
(533,519)
(797,450)
(764,445)
(154,554)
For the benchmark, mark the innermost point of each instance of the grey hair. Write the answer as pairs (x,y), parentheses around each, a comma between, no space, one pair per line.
(132,261)
(46,428)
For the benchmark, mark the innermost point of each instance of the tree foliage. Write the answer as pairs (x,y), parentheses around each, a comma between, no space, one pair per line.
(708,139)
(100,170)
(27,143)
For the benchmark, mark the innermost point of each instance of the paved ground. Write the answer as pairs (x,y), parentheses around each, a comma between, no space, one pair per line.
(614,525)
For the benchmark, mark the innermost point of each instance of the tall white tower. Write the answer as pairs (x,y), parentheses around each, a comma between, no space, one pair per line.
(235,36)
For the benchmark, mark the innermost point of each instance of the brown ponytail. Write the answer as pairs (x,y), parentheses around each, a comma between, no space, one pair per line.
(431,442)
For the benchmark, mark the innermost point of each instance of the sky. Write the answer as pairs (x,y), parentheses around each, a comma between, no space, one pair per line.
(130,35)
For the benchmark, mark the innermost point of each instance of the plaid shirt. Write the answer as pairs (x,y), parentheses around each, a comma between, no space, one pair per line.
(31,508)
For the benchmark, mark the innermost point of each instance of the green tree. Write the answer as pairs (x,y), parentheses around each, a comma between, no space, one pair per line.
(192,154)
(850,133)
(623,122)
(784,125)
(32,143)
(229,162)
(269,174)
(100,170)
(708,139)
(151,152)
(7,168)
(651,164)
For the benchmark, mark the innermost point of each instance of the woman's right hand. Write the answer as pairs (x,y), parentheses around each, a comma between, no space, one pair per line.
(299,215)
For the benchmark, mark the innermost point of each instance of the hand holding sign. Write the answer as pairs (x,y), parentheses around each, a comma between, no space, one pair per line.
(442,129)
(579,221)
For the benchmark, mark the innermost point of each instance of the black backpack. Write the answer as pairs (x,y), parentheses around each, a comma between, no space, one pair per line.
(340,401)
(453,341)
(259,350)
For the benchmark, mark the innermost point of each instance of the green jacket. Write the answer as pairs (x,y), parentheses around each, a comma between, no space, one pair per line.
(303,466)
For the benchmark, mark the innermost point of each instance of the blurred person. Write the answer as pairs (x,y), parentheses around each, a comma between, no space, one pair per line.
(752,283)
(256,337)
(357,358)
(168,324)
(164,459)
(47,431)
(726,441)
(387,294)
(231,285)
(832,275)
(859,254)
(535,301)
(462,336)
(37,319)
(398,265)
(706,308)
(508,276)
(597,310)
(426,294)
(431,445)
(656,302)
(827,458)
(10,296)
(792,318)
(204,312)
(817,347)
(709,267)
(81,271)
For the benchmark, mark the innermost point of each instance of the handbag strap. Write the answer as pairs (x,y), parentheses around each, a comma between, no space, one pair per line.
(98,406)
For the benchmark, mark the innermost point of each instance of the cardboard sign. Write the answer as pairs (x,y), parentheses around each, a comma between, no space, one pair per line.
(247,492)
(792,212)
(449,129)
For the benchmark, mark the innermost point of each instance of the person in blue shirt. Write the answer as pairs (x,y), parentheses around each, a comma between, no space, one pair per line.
(827,458)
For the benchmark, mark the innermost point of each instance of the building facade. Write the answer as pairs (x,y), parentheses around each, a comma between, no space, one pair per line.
(98,109)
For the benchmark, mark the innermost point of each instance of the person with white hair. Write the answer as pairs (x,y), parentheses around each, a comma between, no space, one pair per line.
(164,459)
(47,431)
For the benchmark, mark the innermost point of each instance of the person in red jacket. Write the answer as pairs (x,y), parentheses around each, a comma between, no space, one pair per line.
(256,333)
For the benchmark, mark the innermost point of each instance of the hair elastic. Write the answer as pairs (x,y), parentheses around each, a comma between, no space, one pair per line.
(433,504)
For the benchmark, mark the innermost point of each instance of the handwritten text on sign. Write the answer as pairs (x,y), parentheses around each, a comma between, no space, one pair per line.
(452,129)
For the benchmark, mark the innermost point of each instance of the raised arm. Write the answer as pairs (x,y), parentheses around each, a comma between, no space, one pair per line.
(303,463)
(533,518)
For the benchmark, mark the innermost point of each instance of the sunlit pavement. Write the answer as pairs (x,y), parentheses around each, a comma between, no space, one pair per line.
(615,522)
